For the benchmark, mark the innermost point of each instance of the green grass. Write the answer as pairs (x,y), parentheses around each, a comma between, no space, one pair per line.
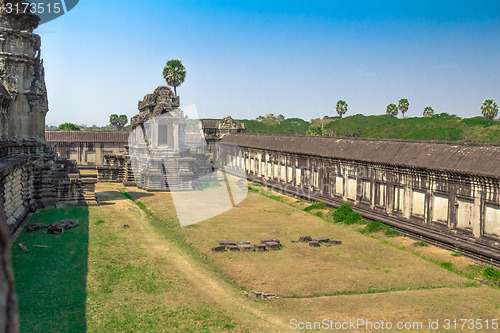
(491,274)
(51,282)
(420,243)
(316,205)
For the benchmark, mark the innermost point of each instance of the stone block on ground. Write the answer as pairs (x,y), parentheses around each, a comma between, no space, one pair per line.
(227,242)
(305,238)
(327,244)
(335,242)
(260,247)
(55,228)
(272,245)
(69,223)
(245,247)
(321,240)
(35,226)
(232,248)
(314,244)
(218,249)
(243,242)
(275,240)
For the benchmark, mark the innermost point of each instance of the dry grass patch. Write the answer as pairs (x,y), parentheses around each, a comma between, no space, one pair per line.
(359,265)
(135,282)
(402,306)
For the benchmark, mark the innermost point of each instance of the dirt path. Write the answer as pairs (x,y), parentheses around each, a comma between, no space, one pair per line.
(207,283)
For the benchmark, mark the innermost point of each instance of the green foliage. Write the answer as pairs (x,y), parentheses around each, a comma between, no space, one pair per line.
(403,105)
(392,110)
(420,243)
(373,226)
(99,222)
(290,126)
(118,121)
(341,107)
(443,127)
(315,130)
(489,109)
(447,265)
(318,214)
(316,205)
(271,119)
(376,226)
(456,254)
(354,218)
(428,111)
(69,127)
(342,212)
(174,73)
(491,274)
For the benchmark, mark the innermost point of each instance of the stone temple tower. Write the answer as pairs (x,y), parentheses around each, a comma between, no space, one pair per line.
(31,174)
(21,76)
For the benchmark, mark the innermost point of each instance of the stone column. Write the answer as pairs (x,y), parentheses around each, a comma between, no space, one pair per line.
(176,135)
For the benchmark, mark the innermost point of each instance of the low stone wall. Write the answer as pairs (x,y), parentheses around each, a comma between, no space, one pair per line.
(38,180)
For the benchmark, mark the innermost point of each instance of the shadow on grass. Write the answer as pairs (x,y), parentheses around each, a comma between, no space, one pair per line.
(106,196)
(51,281)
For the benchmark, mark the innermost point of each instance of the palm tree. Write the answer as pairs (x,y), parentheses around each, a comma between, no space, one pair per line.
(392,110)
(118,121)
(489,109)
(341,107)
(428,111)
(174,73)
(403,106)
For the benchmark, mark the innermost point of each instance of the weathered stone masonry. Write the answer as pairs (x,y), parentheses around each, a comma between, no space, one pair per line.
(31,175)
(442,190)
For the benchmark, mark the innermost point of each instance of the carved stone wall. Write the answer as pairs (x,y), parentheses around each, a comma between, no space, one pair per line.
(9,322)
(31,174)
(22,76)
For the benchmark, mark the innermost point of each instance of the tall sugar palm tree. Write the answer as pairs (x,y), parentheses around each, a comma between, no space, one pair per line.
(489,108)
(403,106)
(392,110)
(174,73)
(428,111)
(341,107)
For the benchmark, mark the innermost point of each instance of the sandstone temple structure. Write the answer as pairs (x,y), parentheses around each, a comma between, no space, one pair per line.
(31,174)
(157,157)
(443,191)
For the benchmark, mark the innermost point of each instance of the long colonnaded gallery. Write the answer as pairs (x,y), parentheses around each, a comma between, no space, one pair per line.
(444,191)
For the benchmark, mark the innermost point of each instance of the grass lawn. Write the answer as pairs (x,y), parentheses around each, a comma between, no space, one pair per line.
(51,281)
(130,267)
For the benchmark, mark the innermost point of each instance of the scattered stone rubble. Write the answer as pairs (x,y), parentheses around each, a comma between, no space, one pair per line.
(259,295)
(317,242)
(57,227)
(245,246)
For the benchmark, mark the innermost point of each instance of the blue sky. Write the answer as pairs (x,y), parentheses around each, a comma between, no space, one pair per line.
(250,58)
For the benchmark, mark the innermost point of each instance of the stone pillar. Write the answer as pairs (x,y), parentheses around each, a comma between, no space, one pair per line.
(176,135)
(407,201)
(476,213)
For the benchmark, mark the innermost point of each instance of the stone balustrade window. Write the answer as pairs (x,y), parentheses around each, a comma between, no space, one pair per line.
(440,208)
(339,185)
(398,198)
(418,203)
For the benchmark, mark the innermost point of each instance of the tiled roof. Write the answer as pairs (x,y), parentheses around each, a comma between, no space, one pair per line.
(465,158)
(87,136)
